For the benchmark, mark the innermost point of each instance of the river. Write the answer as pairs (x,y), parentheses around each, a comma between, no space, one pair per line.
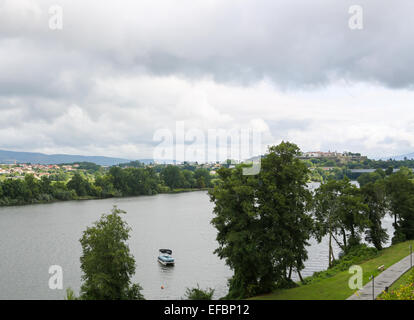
(34,237)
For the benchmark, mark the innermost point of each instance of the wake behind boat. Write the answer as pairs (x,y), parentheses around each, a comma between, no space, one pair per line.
(165,257)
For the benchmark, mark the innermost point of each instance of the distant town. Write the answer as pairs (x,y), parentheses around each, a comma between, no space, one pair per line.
(18,171)
(342,157)
(317,161)
(62,172)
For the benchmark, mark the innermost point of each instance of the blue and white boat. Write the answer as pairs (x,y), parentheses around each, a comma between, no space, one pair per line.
(165,257)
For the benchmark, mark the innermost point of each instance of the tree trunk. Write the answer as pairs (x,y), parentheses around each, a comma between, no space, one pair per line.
(300,276)
(344,236)
(333,256)
(330,249)
(338,243)
(290,272)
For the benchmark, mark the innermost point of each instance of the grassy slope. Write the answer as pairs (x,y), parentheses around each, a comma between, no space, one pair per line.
(336,287)
(401,281)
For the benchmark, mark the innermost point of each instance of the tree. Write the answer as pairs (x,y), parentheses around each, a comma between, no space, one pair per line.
(81,186)
(284,201)
(45,185)
(400,193)
(389,171)
(340,211)
(262,223)
(202,177)
(352,213)
(236,220)
(327,220)
(106,262)
(366,178)
(107,188)
(118,179)
(172,176)
(33,189)
(189,181)
(374,197)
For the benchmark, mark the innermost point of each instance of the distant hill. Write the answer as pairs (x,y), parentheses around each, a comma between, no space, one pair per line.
(8,157)
(409,156)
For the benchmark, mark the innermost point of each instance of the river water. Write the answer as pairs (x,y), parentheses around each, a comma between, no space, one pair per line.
(34,237)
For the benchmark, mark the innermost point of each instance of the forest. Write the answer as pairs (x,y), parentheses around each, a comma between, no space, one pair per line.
(95,184)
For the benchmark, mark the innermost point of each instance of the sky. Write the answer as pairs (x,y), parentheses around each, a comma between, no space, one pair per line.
(115,75)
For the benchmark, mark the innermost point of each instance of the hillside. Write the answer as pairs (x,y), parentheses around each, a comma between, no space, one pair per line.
(334,286)
(7,157)
(408,156)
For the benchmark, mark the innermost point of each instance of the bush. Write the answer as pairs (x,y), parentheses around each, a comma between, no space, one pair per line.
(356,255)
(398,237)
(199,294)
(70,294)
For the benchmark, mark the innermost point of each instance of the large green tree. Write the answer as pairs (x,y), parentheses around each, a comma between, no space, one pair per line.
(263,227)
(106,262)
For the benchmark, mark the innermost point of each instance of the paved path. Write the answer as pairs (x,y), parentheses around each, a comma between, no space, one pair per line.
(384,279)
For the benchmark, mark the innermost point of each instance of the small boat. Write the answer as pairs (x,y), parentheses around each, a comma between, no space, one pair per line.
(165,257)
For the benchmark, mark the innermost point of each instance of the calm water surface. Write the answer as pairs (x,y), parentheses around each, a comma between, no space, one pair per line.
(34,237)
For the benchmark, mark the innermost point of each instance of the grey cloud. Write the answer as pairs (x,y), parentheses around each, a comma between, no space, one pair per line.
(295,44)
(280,127)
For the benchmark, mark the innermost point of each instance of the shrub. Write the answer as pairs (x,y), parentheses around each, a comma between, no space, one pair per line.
(199,294)
(356,255)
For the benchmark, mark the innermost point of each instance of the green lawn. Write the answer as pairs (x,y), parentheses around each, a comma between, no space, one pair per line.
(336,287)
(401,281)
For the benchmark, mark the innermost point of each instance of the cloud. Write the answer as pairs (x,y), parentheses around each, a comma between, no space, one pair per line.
(118,72)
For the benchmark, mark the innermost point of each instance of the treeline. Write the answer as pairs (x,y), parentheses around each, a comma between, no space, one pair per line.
(116,182)
(318,174)
(362,164)
(265,221)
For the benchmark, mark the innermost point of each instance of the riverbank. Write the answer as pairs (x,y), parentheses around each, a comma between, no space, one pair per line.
(173,191)
(336,287)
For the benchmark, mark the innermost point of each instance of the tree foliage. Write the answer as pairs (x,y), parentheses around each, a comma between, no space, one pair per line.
(400,194)
(262,223)
(340,212)
(374,194)
(106,262)
(115,182)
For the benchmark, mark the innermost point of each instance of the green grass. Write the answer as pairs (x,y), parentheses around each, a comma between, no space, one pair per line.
(401,281)
(336,287)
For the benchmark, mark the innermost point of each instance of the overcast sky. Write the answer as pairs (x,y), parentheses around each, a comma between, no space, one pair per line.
(116,73)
